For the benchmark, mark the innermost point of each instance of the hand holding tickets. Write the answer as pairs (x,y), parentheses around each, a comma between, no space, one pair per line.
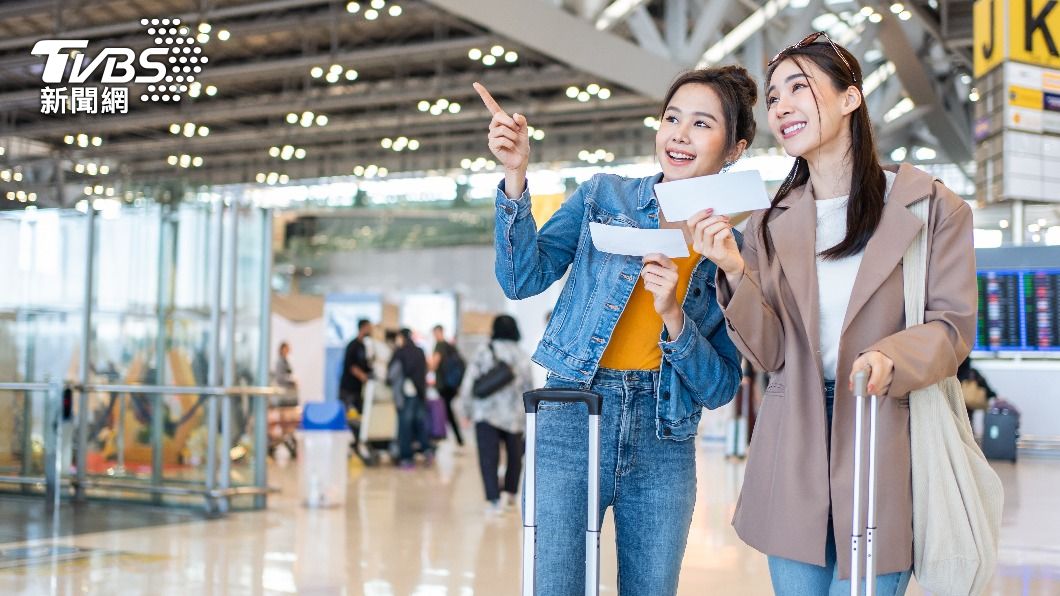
(638,242)
(733,192)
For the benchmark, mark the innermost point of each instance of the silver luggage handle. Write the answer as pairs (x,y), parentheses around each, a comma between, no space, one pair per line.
(593,401)
(860,380)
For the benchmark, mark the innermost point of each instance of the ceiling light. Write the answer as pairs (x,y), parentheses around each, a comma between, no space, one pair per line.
(358,171)
(204,131)
(202,38)
(332,77)
(378,4)
(292,118)
(322,120)
(284,178)
(79,168)
(353,7)
(386,143)
(497,51)
(423,106)
(174,128)
(539,134)
(511,57)
(260,178)
(489,60)
(454,108)
(414,145)
(211,90)
(583,96)
(185,161)
(274,151)
(905,15)
(351,75)
(104,170)
(395,11)
(204,28)
(97,141)
(223,35)
(189,130)
(875,17)
(604,93)
(1003,224)
(436,110)
(474,53)
(897,7)
(172,160)
(572,92)
(299,153)
(316,72)
(17,176)
(68,139)
(371,14)
(383,172)
(197,162)
(593,88)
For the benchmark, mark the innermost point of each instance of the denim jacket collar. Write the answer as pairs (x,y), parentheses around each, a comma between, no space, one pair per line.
(647,191)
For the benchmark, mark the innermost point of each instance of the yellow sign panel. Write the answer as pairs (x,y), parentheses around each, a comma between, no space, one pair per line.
(989,35)
(1022,97)
(1034,31)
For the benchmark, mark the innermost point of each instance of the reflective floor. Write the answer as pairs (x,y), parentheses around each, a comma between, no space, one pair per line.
(424,532)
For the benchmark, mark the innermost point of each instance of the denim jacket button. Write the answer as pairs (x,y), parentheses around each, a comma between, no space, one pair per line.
(696,292)
(667,432)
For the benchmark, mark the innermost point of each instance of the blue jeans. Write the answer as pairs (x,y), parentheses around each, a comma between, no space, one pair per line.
(649,483)
(412,426)
(796,578)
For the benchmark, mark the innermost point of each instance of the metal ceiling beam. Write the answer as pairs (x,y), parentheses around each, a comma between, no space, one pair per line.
(948,124)
(360,96)
(569,40)
(134,26)
(617,12)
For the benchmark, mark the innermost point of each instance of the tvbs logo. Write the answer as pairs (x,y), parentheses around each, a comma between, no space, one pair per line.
(119,64)
(167,69)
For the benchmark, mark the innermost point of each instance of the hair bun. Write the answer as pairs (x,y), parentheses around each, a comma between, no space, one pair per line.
(741,79)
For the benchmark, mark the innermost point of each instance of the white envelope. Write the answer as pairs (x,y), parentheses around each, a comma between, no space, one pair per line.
(733,192)
(638,242)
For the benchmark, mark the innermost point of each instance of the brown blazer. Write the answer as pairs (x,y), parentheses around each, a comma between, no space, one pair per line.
(798,470)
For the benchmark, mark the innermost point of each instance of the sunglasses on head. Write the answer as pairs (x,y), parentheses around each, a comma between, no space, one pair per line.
(811,39)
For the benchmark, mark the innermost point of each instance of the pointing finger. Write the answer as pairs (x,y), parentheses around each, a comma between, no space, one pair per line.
(491,104)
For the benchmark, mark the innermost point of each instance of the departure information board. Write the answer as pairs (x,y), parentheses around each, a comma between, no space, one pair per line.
(1018,310)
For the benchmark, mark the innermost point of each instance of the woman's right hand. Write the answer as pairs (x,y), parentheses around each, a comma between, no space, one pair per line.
(509,141)
(712,237)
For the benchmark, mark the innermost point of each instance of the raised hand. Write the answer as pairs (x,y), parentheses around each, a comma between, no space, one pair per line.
(509,141)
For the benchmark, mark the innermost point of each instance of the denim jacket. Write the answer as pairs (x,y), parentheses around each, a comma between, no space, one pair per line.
(700,367)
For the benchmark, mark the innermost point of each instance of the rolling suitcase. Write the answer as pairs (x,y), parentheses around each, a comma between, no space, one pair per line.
(592,401)
(870,519)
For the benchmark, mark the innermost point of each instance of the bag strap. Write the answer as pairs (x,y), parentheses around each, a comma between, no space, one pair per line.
(914,266)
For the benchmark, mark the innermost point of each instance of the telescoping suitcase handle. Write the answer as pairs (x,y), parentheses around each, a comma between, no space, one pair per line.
(531,400)
(870,517)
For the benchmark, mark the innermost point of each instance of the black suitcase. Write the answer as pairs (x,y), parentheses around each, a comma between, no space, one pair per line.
(1001,430)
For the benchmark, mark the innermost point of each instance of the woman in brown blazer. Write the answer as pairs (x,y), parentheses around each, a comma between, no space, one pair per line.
(817,294)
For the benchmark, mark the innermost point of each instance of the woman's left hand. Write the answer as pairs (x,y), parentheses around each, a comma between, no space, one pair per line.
(880,369)
(660,278)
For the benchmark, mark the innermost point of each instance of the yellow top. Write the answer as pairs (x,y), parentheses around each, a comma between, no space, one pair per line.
(634,344)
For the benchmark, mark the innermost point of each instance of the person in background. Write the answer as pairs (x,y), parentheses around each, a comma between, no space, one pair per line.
(977,392)
(356,369)
(448,367)
(499,418)
(407,374)
(282,373)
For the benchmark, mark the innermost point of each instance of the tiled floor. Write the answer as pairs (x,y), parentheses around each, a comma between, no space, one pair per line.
(424,533)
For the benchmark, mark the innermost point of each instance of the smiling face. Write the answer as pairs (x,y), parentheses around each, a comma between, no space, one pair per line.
(807,114)
(692,136)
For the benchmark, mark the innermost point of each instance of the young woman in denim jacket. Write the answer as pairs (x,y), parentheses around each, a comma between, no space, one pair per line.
(647,334)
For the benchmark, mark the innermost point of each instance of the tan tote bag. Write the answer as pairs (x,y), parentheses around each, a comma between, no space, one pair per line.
(957,496)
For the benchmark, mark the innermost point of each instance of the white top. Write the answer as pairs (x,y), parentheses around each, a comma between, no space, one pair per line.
(835,278)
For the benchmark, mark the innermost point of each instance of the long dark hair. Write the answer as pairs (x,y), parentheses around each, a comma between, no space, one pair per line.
(867,183)
(738,93)
(505,327)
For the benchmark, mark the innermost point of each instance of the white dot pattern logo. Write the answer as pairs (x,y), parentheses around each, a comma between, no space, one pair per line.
(184,58)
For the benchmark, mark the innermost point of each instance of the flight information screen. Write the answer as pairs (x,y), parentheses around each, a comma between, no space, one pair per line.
(1018,310)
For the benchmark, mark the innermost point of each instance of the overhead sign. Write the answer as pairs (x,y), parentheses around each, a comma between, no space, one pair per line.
(1026,31)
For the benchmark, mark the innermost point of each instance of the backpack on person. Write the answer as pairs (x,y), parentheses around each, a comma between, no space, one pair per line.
(450,370)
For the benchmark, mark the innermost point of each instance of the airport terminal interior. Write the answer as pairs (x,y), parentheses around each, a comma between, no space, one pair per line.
(210,208)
